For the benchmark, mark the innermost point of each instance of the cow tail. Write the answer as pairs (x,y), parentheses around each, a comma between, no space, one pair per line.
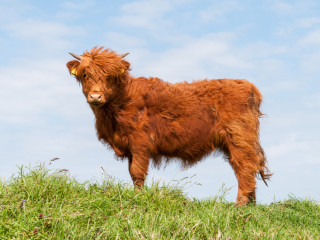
(263,169)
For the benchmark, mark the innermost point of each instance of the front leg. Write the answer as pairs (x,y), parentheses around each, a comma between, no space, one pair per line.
(138,168)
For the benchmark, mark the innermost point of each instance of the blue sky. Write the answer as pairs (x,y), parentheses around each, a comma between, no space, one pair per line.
(274,44)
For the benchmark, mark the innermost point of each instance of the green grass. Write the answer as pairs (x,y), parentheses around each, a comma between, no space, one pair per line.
(41,204)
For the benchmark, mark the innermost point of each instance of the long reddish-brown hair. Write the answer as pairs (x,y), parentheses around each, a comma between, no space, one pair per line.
(147,118)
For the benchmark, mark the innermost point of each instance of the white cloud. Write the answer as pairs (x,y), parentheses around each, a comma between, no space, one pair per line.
(33,30)
(313,101)
(147,8)
(284,7)
(203,57)
(293,8)
(264,49)
(13,9)
(123,41)
(309,50)
(78,5)
(144,14)
(310,63)
(287,147)
(31,88)
(312,39)
(46,33)
(218,11)
(290,28)
(308,22)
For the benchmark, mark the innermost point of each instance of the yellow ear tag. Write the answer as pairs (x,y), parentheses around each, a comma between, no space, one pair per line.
(74,71)
(122,70)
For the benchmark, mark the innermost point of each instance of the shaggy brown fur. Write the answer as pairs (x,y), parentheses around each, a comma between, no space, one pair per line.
(146,119)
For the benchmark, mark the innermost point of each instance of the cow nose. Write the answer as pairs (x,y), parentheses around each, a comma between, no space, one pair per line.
(95,97)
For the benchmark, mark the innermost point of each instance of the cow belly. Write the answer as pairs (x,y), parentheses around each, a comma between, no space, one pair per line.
(189,143)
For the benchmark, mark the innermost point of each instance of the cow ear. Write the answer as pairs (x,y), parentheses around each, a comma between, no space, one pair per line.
(73,67)
(125,64)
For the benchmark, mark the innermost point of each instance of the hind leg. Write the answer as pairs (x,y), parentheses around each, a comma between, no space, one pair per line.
(244,160)
(243,151)
(245,169)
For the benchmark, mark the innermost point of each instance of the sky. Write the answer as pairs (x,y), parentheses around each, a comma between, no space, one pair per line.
(275,44)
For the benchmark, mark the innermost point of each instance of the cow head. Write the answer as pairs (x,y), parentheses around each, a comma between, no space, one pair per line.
(102,74)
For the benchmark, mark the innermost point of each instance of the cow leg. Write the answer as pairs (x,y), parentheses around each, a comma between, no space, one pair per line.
(245,155)
(138,168)
(245,171)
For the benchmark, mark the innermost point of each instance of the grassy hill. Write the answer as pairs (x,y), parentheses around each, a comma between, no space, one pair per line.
(41,204)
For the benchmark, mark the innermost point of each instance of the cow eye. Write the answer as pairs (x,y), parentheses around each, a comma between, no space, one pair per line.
(84,75)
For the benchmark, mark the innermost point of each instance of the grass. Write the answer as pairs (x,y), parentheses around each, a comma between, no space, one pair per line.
(43,204)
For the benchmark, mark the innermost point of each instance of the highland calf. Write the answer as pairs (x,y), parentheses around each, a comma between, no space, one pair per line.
(145,119)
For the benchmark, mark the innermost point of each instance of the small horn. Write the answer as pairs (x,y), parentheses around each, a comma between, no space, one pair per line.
(75,56)
(123,55)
